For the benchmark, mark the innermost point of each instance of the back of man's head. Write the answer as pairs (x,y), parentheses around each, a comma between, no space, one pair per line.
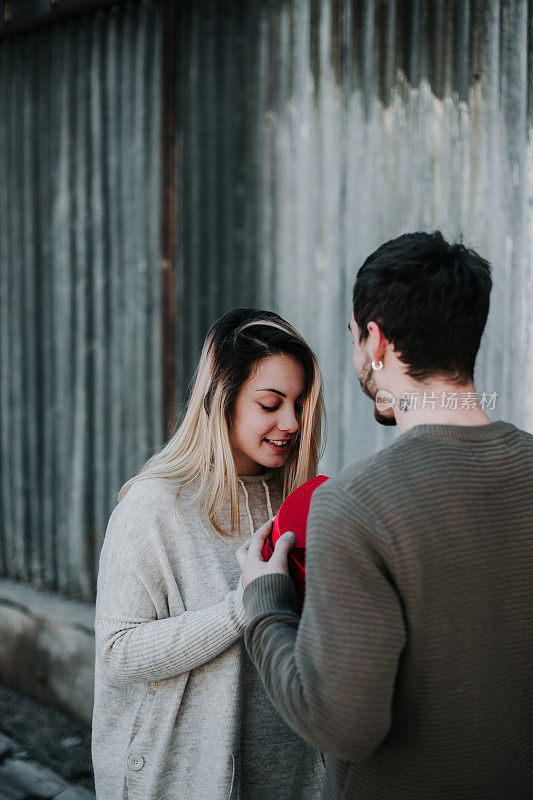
(430,299)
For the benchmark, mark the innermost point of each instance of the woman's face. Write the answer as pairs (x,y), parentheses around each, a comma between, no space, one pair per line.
(266,417)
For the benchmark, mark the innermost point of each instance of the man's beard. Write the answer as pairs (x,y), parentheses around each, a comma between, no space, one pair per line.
(368,385)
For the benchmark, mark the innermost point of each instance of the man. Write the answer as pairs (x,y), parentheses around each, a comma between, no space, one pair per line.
(411,667)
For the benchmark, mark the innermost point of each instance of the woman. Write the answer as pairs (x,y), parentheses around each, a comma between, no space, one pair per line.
(180,712)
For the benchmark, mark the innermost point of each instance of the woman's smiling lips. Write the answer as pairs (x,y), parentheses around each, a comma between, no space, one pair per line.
(276,447)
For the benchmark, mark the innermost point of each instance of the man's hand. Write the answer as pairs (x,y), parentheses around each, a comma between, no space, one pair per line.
(251,561)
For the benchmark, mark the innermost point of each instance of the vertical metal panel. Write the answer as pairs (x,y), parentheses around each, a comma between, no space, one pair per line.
(365,120)
(309,133)
(217,255)
(80,250)
(168,210)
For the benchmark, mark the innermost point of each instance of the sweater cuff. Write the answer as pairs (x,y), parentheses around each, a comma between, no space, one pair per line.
(270,593)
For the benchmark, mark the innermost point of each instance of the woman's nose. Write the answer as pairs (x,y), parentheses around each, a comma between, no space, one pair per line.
(288,421)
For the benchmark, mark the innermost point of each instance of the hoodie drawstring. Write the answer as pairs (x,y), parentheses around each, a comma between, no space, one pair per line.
(267,494)
(247,499)
(250,520)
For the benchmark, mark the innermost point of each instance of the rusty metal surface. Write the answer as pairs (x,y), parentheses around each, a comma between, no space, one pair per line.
(218,227)
(311,132)
(168,212)
(80,340)
(18,16)
(307,134)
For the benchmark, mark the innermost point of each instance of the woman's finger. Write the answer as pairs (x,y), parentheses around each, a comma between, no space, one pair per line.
(259,537)
(240,556)
(242,551)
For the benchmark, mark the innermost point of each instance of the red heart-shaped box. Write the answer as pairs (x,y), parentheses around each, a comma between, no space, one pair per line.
(292,516)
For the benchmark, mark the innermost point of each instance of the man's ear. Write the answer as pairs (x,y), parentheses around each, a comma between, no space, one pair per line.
(376,342)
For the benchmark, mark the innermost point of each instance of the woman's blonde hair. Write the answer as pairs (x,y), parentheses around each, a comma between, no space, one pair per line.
(199,456)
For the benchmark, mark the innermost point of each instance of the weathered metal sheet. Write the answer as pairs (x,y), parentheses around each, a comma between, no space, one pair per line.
(308,133)
(217,221)
(342,124)
(80,288)
(17,16)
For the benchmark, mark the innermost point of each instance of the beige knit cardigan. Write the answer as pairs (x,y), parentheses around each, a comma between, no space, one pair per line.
(180,712)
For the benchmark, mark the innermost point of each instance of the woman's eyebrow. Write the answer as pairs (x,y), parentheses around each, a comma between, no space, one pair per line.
(276,391)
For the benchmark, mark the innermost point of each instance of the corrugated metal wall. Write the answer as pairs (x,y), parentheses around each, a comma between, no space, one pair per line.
(308,133)
(311,132)
(80,327)
(218,219)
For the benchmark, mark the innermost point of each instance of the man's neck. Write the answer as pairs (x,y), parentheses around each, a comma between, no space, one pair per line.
(437,402)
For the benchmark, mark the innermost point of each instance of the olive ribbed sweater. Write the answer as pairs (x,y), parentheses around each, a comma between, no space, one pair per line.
(412,664)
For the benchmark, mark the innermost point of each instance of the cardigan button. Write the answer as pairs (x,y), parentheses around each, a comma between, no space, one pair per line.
(135,762)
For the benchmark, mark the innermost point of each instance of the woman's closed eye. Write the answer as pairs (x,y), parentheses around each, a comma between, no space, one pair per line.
(298,408)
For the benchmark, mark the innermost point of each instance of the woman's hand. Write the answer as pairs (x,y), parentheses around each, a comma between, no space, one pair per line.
(249,555)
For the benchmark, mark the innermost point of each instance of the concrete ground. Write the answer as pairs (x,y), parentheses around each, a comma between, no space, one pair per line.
(43,753)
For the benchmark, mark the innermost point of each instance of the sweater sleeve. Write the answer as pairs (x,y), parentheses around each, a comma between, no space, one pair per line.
(332,675)
(133,641)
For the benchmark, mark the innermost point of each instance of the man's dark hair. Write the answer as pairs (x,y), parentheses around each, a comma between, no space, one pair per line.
(430,299)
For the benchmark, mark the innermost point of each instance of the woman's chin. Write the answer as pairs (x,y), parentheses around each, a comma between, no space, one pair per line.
(271,462)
